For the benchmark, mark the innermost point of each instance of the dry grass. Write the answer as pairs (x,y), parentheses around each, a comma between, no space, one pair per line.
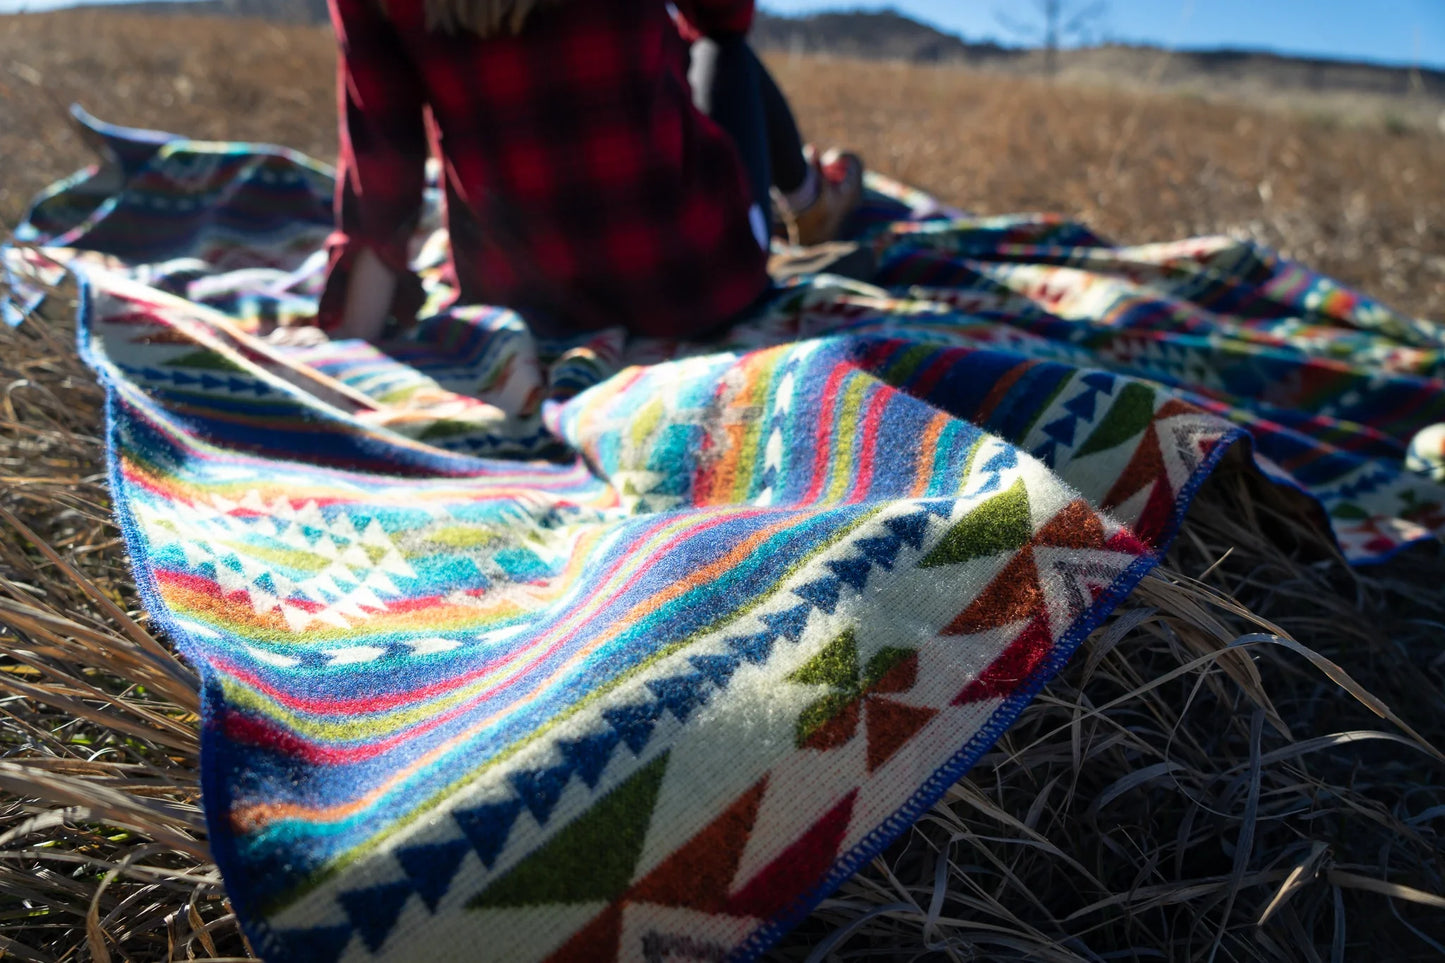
(97,718)
(207,78)
(1356,201)
(1361,198)
(1195,785)
(1192,771)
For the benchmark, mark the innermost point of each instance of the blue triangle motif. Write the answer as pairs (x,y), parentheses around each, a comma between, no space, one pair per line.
(681,694)
(541,788)
(853,571)
(488,826)
(374,911)
(590,755)
(910,528)
(1062,429)
(719,669)
(942,507)
(882,549)
(754,648)
(431,868)
(1046,452)
(1082,406)
(822,593)
(323,944)
(634,724)
(1101,380)
(254,386)
(1003,459)
(789,624)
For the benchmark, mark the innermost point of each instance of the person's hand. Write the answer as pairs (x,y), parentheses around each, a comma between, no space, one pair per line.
(301,336)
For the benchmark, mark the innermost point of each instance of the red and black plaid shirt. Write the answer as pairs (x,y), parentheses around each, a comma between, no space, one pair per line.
(583,187)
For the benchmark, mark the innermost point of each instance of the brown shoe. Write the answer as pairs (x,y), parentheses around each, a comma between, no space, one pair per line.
(840,191)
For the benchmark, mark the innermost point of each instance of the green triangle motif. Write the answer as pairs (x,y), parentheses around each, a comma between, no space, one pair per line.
(592,859)
(205,360)
(820,713)
(885,661)
(836,666)
(449,428)
(1001,524)
(1131,413)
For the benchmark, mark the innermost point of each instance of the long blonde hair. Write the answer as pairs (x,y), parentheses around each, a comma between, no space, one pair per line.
(486,18)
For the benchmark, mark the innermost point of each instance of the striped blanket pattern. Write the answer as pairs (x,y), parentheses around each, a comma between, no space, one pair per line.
(610,649)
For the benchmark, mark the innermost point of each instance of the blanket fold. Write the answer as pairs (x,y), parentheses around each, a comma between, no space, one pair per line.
(629,649)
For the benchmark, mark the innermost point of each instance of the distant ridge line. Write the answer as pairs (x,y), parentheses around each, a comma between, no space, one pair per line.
(890,35)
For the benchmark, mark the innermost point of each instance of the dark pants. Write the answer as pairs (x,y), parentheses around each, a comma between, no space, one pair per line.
(731,85)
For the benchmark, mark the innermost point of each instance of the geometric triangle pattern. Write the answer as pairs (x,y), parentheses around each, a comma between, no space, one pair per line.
(587,648)
(592,859)
(859,692)
(1003,524)
(431,868)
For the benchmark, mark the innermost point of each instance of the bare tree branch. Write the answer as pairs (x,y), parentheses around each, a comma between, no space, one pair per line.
(1058,22)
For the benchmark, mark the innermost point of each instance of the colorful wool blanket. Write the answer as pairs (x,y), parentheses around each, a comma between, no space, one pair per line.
(598,648)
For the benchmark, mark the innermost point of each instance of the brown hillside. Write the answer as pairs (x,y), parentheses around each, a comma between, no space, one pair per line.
(1362,200)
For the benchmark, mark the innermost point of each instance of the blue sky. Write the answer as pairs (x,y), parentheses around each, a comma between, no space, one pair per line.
(1392,31)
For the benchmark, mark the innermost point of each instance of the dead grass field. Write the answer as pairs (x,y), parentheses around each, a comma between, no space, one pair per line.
(1360,198)
(1176,794)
